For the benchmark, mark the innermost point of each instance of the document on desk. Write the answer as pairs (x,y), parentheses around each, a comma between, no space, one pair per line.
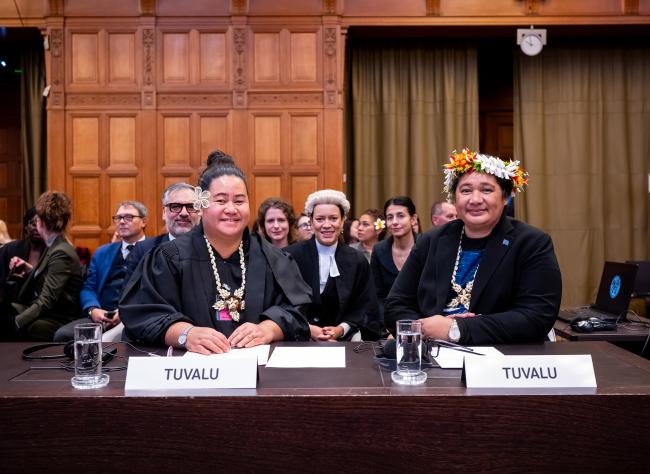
(262,352)
(453,359)
(296,357)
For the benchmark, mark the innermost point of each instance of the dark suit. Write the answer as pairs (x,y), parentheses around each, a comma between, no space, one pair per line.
(354,287)
(140,249)
(517,290)
(49,298)
(384,271)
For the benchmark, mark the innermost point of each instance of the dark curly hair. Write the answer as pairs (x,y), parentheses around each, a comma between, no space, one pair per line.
(54,208)
(375,214)
(287,210)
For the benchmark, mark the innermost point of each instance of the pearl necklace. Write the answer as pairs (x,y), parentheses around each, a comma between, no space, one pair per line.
(224,300)
(464,294)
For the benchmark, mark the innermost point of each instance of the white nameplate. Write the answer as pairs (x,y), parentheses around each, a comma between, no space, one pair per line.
(182,373)
(542,371)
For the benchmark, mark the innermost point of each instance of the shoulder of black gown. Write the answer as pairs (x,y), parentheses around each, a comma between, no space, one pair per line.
(285,270)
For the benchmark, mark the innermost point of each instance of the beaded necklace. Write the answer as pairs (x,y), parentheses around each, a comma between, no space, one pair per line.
(464,293)
(224,300)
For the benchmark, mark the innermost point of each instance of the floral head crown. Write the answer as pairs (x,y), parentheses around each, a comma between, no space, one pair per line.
(466,160)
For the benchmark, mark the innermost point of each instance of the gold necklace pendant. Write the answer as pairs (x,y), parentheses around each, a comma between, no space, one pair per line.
(232,303)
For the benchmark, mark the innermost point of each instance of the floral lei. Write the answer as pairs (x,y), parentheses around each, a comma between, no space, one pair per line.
(467,160)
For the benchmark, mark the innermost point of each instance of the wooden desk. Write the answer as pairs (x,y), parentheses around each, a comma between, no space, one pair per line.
(329,420)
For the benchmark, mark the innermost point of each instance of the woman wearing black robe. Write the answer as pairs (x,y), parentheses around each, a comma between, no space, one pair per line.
(345,301)
(173,297)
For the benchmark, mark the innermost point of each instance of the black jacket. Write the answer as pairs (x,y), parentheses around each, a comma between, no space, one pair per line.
(174,282)
(517,290)
(355,288)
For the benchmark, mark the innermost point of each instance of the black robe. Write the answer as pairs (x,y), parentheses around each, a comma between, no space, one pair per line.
(174,282)
(354,287)
(517,290)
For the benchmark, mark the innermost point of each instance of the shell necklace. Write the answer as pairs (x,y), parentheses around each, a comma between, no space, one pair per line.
(464,294)
(233,303)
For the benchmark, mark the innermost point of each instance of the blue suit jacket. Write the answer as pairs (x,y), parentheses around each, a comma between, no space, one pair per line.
(98,270)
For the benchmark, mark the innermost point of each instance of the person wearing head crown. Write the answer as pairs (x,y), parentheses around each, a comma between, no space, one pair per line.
(218,286)
(484,278)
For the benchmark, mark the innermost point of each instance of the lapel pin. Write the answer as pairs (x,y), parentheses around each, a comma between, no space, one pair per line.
(506,242)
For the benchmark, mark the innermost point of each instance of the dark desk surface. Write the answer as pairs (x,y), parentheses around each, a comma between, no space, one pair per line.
(633,331)
(329,419)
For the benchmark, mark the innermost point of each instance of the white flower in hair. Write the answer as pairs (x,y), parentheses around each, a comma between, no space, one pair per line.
(202,198)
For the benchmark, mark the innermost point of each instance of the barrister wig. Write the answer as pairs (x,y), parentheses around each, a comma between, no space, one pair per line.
(327,196)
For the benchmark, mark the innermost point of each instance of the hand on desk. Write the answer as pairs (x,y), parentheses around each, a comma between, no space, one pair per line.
(250,335)
(206,341)
(437,327)
(328,333)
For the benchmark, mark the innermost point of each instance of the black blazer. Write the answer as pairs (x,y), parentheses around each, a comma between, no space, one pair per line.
(517,290)
(140,249)
(355,288)
(49,298)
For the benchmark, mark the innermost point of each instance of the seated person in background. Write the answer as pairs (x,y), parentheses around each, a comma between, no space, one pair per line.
(303,228)
(49,297)
(275,221)
(107,272)
(29,248)
(371,230)
(484,278)
(351,231)
(389,255)
(345,301)
(442,212)
(220,286)
(179,216)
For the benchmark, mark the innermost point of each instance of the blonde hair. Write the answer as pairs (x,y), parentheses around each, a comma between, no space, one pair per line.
(4,233)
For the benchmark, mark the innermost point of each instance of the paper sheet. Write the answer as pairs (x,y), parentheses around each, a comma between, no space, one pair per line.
(262,352)
(452,359)
(295,357)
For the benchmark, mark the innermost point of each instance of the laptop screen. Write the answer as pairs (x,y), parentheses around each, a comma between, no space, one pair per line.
(616,286)
(642,282)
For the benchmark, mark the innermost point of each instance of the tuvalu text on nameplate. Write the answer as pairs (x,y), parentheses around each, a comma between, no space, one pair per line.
(530,371)
(182,373)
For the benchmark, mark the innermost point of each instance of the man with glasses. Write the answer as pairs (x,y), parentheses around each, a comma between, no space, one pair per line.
(108,270)
(179,216)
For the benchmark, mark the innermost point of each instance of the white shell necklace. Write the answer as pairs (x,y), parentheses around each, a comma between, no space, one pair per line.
(464,293)
(233,303)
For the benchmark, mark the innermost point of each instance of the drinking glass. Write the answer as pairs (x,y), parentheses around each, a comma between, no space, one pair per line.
(409,353)
(88,357)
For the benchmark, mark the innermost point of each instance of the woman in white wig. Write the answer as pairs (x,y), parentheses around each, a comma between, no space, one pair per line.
(343,293)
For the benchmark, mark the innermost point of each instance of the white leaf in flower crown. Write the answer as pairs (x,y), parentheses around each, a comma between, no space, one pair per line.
(202,199)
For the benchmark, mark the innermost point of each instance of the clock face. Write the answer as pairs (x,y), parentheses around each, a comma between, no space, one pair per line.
(531,45)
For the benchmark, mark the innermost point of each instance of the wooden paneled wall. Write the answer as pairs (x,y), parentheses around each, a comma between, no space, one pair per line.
(143,90)
(143,101)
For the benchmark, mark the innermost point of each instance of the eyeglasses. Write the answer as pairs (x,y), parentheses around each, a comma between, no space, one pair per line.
(125,217)
(304,225)
(176,207)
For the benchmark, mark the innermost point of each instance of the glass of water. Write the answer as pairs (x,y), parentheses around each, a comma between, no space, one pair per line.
(88,357)
(409,353)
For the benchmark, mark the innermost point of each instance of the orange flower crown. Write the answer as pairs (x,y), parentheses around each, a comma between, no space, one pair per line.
(467,160)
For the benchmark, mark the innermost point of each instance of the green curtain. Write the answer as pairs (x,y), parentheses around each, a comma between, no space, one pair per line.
(408,106)
(582,130)
(33,128)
